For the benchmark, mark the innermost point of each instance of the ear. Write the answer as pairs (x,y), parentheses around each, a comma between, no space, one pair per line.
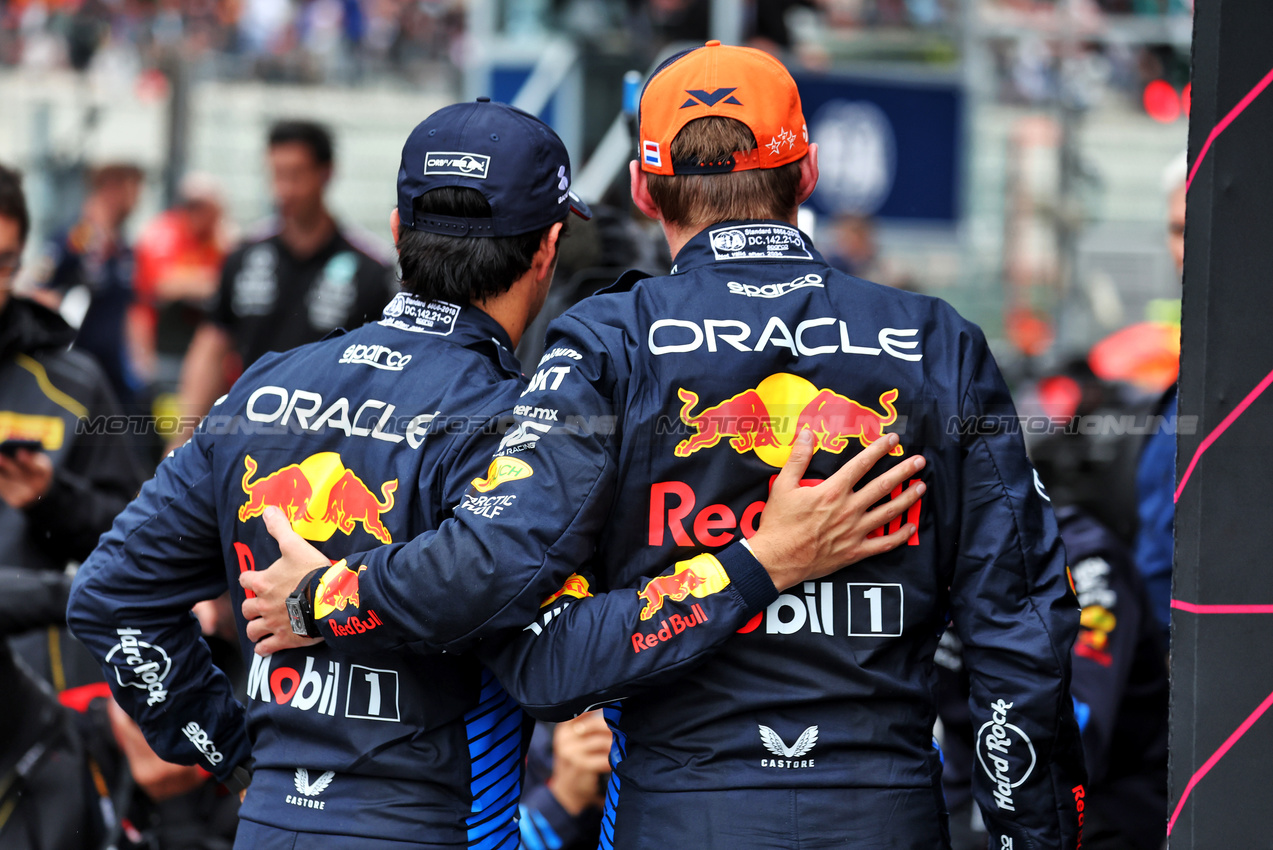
(395,224)
(546,257)
(641,192)
(808,174)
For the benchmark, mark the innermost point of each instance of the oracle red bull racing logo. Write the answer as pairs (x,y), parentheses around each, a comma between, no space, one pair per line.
(700,576)
(319,496)
(765,420)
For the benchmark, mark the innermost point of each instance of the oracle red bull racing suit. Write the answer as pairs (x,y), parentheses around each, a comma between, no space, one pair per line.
(652,428)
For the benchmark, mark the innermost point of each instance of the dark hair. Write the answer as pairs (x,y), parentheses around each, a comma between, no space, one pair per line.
(13,202)
(462,269)
(311,134)
(113,174)
(697,200)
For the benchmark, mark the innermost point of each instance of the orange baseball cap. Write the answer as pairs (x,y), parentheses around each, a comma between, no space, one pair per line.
(733,82)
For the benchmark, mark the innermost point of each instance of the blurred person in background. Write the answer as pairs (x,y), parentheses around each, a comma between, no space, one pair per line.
(1156,472)
(87,273)
(179,257)
(1120,685)
(304,277)
(65,777)
(1147,355)
(566,774)
(60,488)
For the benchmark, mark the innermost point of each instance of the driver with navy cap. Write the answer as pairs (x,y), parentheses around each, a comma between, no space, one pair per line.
(363,438)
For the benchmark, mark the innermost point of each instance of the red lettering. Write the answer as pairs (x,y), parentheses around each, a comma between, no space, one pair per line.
(651,641)
(637,643)
(711,518)
(679,624)
(912,516)
(246,562)
(664,633)
(751,519)
(699,612)
(276,684)
(752,624)
(658,499)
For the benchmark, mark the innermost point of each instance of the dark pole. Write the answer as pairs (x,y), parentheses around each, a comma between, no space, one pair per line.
(1221,663)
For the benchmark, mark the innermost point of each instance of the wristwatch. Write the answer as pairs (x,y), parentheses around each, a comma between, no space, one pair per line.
(300,608)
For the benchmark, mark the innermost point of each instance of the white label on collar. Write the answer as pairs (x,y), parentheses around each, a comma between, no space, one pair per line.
(758,242)
(426,317)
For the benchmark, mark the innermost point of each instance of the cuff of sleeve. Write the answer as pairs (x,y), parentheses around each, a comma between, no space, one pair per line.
(747,576)
(566,829)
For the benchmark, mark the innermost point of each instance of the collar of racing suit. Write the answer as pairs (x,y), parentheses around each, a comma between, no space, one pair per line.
(459,324)
(751,241)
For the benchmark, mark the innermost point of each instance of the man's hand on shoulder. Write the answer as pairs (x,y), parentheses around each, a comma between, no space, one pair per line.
(809,532)
(265,609)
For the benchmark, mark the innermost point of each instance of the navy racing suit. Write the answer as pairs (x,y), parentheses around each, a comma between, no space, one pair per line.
(362,438)
(652,428)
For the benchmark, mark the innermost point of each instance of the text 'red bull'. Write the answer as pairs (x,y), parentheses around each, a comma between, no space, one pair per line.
(672,505)
(669,628)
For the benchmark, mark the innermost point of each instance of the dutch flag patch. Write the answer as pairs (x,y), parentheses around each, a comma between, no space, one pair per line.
(650,154)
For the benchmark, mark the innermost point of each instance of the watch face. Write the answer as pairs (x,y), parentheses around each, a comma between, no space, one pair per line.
(297,617)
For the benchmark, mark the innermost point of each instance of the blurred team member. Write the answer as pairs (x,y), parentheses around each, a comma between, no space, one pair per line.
(1120,684)
(60,488)
(1156,472)
(88,270)
(179,256)
(305,277)
(655,424)
(566,775)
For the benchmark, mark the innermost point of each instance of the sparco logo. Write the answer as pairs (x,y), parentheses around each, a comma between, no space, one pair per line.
(142,665)
(775,290)
(379,356)
(457,162)
(200,739)
(1006,754)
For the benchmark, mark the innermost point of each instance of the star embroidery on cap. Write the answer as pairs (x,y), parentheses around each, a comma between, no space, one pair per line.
(788,138)
(775,146)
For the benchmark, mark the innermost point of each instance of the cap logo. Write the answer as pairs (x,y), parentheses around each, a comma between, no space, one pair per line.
(784,137)
(563,182)
(457,162)
(710,98)
(650,154)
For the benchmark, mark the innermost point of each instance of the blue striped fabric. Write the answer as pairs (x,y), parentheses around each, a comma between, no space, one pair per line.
(494,729)
(537,832)
(618,750)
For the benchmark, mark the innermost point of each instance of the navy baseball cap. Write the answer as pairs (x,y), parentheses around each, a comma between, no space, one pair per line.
(515,160)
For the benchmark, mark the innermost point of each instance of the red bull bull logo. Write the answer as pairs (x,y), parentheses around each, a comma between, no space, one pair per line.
(287,489)
(337,589)
(575,586)
(765,420)
(320,496)
(700,576)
